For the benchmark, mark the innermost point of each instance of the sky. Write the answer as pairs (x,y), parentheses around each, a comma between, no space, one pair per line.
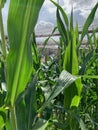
(47,17)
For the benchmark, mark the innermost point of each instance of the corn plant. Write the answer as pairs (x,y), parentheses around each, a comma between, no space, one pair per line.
(88,66)
(18,110)
(25,76)
(69,44)
(22,18)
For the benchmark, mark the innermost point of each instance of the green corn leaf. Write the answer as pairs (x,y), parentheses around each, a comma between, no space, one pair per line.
(64,81)
(67,63)
(69,36)
(72,93)
(31,102)
(22,18)
(61,54)
(20,110)
(62,12)
(36,57)
(71,20)
(85,62)
(26,106)
(75,100)
(8,125)
(90,76)
(70,59)
(88,22)
(61,28)
(73,57)
(63,24)
(1,122)
(77,36)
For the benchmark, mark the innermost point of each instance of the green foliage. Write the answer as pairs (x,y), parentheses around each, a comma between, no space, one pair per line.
(64,81)
(88,68)
(1,122)
(47,95)
(69,54)
(70,62)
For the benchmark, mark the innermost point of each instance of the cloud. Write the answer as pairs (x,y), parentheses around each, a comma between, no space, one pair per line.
(81,9)
(48,12)
(83,6)
(49,6)
(43,27)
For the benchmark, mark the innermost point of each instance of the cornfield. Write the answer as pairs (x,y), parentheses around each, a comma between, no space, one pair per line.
(58,94)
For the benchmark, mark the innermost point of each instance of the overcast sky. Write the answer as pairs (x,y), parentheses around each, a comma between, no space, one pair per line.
(47,18)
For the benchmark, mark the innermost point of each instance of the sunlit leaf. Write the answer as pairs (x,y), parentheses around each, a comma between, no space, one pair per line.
(19,62)
(1,122)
